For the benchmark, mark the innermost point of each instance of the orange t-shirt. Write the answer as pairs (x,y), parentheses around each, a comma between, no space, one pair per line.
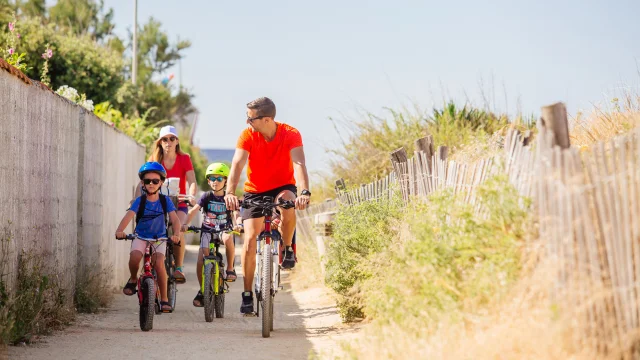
(269,164)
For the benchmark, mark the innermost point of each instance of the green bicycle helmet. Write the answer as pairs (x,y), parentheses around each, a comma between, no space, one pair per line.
(217,168)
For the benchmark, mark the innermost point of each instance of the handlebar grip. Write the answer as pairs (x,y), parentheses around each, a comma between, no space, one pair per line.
(193,228)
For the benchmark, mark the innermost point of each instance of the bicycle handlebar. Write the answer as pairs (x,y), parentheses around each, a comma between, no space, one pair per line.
(267,204)
(217,229)
(134,236)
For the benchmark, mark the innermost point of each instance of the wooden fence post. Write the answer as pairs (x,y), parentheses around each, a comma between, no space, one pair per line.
(554,118)
(399,157)
(443,152)
(340,186)
(425,144)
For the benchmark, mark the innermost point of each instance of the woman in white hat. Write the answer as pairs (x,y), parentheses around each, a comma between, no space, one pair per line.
(178,164)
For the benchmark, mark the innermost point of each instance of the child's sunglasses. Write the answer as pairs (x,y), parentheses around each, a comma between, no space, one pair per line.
(149,181)
(214,178)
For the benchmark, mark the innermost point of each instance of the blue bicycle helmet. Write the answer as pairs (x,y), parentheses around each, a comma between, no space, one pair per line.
(152,166)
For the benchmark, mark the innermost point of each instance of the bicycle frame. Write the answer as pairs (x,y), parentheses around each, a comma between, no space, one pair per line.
(212,258)
(147,272)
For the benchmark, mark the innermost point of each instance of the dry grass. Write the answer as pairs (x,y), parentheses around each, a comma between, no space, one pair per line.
(605,122)
(308,272)
(527,325)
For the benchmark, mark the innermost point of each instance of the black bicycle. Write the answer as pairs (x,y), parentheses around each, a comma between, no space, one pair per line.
(267,275)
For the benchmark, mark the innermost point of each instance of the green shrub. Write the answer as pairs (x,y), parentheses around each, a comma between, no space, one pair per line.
(91,294)
(359,232)
(453,261)
(36,304)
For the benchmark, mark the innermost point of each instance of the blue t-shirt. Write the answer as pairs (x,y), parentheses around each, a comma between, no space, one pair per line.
(152,223)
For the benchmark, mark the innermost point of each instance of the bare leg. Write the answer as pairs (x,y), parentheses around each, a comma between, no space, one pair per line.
(288,224)
(178,251)
(252,228)
(158,264)
(134,264)
(230,250)
(201,254)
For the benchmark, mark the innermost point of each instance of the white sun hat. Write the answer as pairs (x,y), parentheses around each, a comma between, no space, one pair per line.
(168,130)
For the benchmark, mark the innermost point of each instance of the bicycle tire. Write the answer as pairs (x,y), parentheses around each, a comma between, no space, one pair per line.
(208,292)
(267,312)
(275,267)
(172,291)
(148,305)
(219,298)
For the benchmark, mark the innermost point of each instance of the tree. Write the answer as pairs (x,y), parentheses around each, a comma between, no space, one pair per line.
(83,17)
(77,62)
(155,53)
(32,8)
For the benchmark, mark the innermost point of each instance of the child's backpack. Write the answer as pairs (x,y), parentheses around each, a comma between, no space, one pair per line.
(143,203)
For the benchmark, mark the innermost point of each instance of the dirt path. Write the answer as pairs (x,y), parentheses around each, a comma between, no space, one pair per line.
(305,322)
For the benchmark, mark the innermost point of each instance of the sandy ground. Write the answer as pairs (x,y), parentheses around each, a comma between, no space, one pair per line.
(306,322)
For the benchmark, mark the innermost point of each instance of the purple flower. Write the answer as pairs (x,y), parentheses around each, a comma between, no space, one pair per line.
(18,36)
(11,27)
(48,54)
(11,51)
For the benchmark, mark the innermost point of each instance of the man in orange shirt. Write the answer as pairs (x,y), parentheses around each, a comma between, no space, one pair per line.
(274,153)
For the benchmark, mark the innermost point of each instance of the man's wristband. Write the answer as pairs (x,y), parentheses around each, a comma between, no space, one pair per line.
(305,192)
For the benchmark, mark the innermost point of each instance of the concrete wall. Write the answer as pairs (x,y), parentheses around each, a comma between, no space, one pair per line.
(66,179)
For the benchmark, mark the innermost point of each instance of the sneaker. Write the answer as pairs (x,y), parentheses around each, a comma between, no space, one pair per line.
(247,303)
(289,260)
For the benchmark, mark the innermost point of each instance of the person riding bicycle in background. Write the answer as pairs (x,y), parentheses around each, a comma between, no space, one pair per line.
(151,226)
(178,164)
(215,213)
(274,153)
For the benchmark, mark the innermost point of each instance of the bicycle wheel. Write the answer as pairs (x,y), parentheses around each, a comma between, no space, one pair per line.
(266,281)
(276,282)
(209,270)
(171,281)
(147,306)
(219,298)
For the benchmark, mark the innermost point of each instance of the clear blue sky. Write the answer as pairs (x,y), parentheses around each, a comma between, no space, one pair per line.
(327,58)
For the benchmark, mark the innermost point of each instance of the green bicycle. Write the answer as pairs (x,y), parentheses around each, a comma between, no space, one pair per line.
(213,286)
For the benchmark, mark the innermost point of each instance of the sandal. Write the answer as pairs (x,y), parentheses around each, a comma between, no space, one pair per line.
(179,276)
(165,306)
(131,286)
(198,301)
(231,276)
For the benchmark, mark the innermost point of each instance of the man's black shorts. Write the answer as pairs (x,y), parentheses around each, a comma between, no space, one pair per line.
(252,212)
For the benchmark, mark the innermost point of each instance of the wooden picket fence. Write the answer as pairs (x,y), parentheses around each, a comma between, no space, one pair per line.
(587,206)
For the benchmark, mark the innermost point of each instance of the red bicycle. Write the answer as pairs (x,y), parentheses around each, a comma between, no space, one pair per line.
(148,291)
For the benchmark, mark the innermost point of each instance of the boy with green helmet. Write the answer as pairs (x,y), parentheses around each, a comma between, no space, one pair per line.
(214,213)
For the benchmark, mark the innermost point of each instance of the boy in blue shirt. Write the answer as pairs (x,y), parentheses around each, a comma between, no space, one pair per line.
(151,226)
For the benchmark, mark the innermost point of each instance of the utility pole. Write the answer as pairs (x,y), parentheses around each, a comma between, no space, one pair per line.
(134,68)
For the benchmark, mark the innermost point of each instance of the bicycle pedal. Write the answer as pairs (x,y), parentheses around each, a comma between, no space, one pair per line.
(280,287)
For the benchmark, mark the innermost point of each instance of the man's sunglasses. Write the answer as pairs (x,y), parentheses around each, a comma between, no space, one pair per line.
(214,178)
(255,118)
(171,138)
(149,181)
